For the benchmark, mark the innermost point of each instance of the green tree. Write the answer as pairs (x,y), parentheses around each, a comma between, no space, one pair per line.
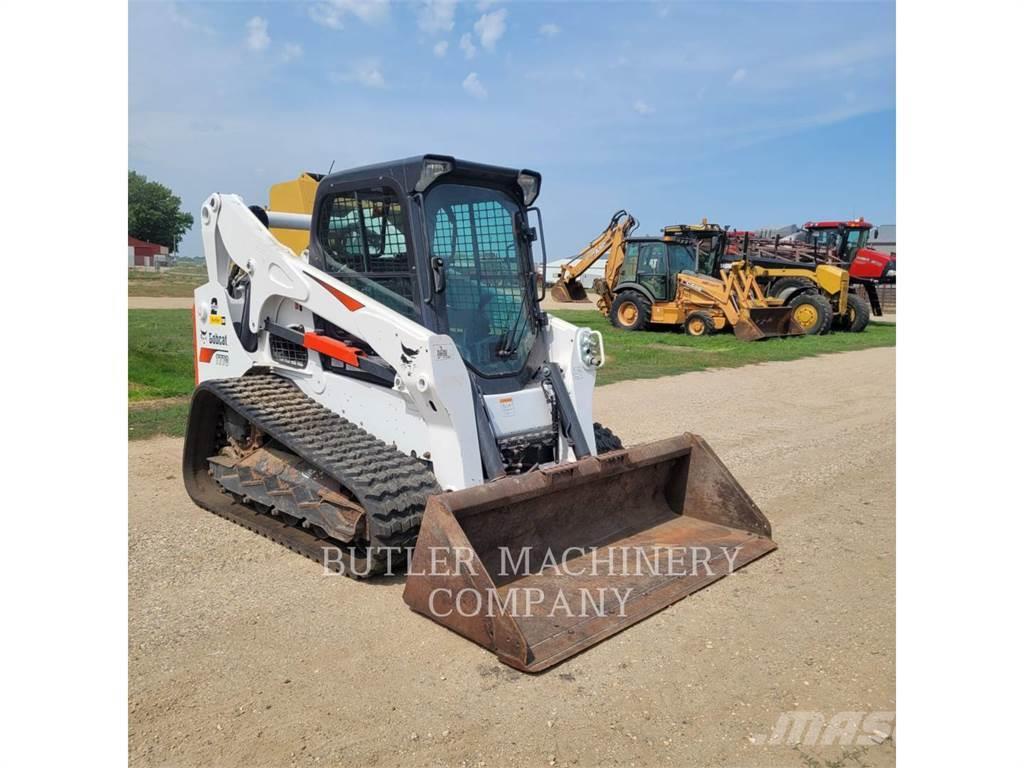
(154,212)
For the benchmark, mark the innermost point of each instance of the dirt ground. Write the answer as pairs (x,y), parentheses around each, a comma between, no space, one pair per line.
(242,653)
(159,302)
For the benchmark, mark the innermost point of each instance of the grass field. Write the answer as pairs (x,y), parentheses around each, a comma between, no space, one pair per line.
(647,354)
(160,372)
(179,280)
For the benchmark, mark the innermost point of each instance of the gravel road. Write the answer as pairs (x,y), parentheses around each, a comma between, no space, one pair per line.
(242,653)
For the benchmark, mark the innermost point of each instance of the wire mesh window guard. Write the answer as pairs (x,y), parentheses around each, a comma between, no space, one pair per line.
(473,231)
(363,237)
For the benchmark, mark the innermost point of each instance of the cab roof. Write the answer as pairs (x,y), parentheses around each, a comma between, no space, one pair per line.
(852,224)
(407,171)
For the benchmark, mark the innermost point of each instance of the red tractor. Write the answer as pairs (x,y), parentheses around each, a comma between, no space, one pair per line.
(846,242)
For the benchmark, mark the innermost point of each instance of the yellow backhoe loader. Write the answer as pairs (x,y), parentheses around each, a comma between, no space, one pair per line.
(819,292)
(658,281)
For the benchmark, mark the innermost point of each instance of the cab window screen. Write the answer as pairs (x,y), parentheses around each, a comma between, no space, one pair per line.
(363,237)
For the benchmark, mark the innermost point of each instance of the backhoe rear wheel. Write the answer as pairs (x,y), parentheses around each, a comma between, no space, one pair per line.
(813,312)
(858,314)
(631,311)
(699,324)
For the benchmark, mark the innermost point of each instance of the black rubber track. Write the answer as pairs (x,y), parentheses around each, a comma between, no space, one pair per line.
(392,487)
(606,439)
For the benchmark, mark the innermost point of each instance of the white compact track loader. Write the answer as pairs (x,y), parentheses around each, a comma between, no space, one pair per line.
(396,397)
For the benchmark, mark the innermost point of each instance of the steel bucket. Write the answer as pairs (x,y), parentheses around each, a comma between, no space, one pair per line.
(767,322)
(569,291)
(608,541)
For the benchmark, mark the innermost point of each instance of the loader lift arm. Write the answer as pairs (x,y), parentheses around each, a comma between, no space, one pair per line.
(612,241)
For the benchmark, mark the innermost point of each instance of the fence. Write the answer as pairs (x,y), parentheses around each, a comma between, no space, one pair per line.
(886,297)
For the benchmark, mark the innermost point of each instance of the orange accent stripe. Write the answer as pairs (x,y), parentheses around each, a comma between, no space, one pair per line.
(206,354)
(350,304)
(339,350)
(195,346)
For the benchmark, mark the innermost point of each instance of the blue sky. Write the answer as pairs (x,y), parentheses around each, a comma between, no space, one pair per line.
(751,114)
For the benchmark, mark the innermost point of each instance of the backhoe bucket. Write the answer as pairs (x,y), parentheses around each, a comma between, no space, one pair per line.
(767,322)
(571,290)
(540,566)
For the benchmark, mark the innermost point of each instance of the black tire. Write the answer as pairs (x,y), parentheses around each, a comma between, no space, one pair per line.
(812,311)
(787,287)
(631,311)
(606,439)
(699,324)
(858,314)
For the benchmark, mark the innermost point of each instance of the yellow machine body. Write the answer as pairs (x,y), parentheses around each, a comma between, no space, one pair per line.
(295,196)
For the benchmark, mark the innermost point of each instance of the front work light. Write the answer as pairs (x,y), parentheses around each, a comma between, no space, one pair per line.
(433,168)
(529,182)
(591,348)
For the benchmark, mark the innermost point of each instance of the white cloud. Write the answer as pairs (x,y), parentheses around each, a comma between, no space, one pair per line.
(466,44)
(179,18)
(739,75)
(331,14)
(474,87)
(366,72)
(185,20)
(441,49)
(641,107)
(291,51)
(549,30)
(490,28)
(437,16)
(256,37)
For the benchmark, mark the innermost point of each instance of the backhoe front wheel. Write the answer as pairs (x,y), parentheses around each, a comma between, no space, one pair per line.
(631,311)
(813,312)
(699,324)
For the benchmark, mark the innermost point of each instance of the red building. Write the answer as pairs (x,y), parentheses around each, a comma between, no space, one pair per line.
(143,254)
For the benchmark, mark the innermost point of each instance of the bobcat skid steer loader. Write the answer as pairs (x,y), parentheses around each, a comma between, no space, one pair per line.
(395,396)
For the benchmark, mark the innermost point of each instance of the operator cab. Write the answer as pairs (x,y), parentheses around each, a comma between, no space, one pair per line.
(841,239)
(655,263)
(447,243)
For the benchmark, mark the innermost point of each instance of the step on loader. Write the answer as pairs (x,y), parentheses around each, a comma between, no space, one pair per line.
(394,398)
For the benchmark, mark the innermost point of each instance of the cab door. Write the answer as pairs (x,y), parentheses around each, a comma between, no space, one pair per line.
(652,269)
